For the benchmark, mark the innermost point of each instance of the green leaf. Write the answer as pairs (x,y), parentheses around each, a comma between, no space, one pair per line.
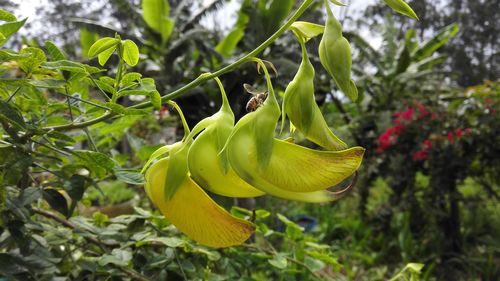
(10,114)
(102,45)
(274,13)
(130,52)
(108,80)
(7,29)
(30,195)
(92,69)
(87,38)
(54,52)
(227,45)
(147,84)
(262,213)
(293,230)
(9,265)
(118,257)
(105,87)
(401,7)
(240,212)
(31,63)
(6,16)
(97,163)
(61,137)
(155,99)
(104,56)
(156,15)
(56,200)
(324,257)
(130,78)
(115,108)
(75,187)
(415,267)
(48,83)
(414,270)
(130,177)
(279,261)
(211,255)
(65,65)
(307,30)
(436,42)
(172,242)
(7,55)
(337,3)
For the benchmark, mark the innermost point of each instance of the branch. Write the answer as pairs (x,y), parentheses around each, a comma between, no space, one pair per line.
(103,245)
(273,252)
(68,224)
(198,81)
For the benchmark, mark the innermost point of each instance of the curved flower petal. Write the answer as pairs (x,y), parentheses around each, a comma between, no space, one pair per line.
(293,167)
(194,213)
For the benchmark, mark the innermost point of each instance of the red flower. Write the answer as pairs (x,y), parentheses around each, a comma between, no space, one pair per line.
(405,115)
(420,155)
(389,137)
(385,140)
(423,110)
(398,126)
(408,114)
(426,145)
(459,133)
(434,116)
(397,122)
(450,137)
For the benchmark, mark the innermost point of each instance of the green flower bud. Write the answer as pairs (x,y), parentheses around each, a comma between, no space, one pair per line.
(335,55)
(300,106)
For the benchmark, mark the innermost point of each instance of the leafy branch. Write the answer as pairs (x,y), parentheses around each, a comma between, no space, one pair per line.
(196,82)
(103,245)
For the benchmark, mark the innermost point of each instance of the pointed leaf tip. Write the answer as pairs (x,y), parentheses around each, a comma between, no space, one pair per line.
(402,7)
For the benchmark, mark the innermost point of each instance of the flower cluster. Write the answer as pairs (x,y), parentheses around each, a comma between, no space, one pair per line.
(402,118)
(415,116)
(244,160)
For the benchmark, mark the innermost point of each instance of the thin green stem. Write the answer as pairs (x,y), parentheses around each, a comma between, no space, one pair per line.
(225,101)
(13,94)
(199,80)
(68,101)
(183,119)
(266,74)
(100,89)
(118,78)
(84,101)
(52,148)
